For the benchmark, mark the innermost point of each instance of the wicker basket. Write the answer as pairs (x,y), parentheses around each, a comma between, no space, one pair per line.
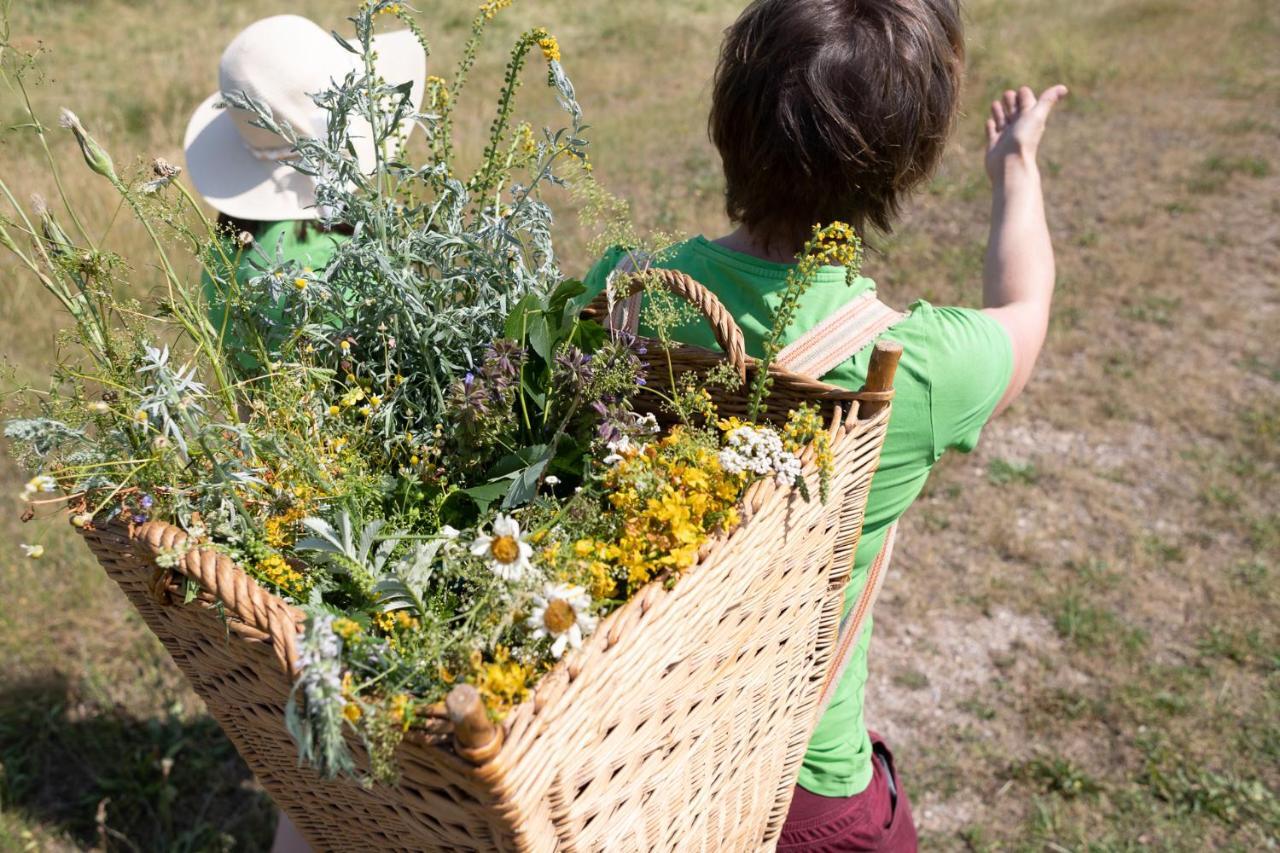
(680,724)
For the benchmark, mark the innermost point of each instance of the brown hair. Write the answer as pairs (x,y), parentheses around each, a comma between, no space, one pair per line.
(829,110)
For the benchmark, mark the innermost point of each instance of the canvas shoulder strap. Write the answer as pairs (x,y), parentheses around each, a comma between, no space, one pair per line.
(837,338)
(816,353)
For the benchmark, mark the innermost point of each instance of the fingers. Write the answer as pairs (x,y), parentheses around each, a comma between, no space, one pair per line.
(997,115)
(993,133)
(1052,95)
(1010,105)
(1026,98)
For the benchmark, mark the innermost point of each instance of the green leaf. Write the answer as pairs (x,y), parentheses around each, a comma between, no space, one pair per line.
(562,297)
(513,463)
(514,327)
(589,336)
(487,493)
(540,336)
(346,45)
(526,485)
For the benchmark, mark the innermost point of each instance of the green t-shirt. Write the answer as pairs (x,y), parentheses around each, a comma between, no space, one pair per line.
(278,242)
(955,366)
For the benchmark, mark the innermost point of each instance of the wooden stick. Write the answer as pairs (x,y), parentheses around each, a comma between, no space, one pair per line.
(884,364)
(475,737)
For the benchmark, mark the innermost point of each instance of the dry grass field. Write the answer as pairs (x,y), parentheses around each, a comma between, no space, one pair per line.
(1079,647)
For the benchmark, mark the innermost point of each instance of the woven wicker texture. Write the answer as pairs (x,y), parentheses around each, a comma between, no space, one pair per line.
(680,724)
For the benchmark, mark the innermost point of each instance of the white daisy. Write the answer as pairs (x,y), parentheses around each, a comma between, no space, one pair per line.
(35,552)
(560,612)
(40,483)
(507,553)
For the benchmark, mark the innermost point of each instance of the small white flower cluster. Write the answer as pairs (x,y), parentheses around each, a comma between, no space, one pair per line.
(620,450)
(759,451)
(41,483)
(168,558)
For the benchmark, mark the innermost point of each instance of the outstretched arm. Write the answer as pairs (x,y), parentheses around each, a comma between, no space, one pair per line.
(1017,280)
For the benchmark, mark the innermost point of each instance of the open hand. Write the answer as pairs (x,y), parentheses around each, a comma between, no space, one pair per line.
(1016,125)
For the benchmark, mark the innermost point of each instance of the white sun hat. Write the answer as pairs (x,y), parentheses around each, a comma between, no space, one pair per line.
(242,170)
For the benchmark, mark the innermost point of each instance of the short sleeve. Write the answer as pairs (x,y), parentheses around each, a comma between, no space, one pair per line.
(970,364)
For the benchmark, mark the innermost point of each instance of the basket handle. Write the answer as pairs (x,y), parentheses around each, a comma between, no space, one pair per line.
(723,326)
(240,594)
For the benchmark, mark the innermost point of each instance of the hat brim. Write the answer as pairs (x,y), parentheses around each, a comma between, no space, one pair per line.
(235,182)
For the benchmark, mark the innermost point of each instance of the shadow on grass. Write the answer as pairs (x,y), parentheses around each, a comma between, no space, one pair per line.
(114,781)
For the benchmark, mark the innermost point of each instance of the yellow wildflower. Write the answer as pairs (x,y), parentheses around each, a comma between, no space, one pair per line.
(503,683)
(275,570)
(351,711)
(492,7)
(346,628)
(400,709)
(550,47)
(334,411)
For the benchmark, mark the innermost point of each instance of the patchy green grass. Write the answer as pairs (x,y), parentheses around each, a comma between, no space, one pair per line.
(1122,514)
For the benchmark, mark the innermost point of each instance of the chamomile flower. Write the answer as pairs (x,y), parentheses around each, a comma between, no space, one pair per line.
(37,484)
(507,553)
(34,552)
(561,613)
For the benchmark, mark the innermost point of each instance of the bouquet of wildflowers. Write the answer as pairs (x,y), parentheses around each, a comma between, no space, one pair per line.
(428,449)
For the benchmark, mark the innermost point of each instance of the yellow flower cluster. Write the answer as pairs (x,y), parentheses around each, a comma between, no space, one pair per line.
(346,628)
(503,683)
(550,47)
(804,427)
(280,530)
(392,9)
(670,495)
(439,91)
(524,140)
(275,570)
(351,710)
(400,709)
(837,244)
(492,7)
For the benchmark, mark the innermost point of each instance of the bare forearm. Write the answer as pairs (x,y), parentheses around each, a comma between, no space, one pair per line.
(1019,267)
(1017,279)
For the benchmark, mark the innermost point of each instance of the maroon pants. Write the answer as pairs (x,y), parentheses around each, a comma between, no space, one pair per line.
(878,819)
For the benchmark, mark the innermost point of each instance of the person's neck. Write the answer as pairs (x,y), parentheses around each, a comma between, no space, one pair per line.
(742,239)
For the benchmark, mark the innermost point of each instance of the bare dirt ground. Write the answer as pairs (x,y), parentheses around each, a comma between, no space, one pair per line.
(1078,648)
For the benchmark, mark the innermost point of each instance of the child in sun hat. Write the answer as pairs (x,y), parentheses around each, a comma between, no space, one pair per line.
(267,208)
(834,110)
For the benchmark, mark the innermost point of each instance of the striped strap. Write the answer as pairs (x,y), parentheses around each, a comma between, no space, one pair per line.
(836,339)
(816,353)
(855,620)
